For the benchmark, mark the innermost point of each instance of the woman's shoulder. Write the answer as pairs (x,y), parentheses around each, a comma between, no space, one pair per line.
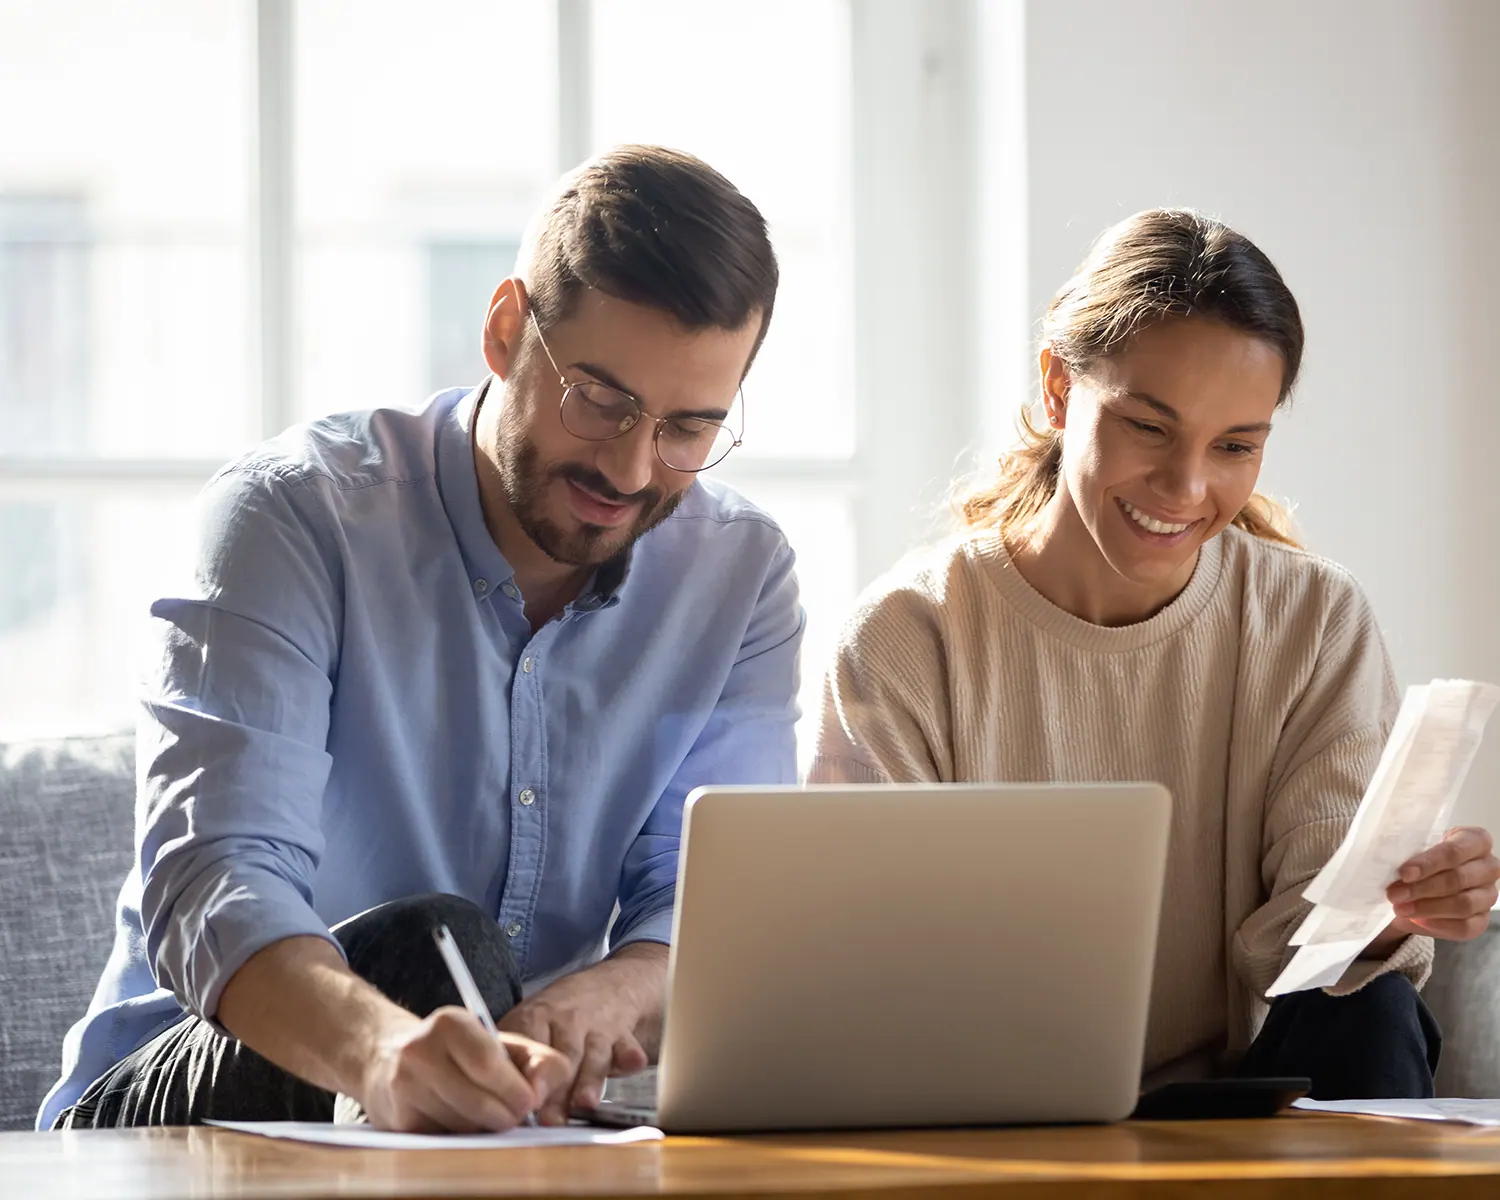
(923,594)
(1289,583)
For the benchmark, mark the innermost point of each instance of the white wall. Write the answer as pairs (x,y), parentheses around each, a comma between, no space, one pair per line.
(1356,142)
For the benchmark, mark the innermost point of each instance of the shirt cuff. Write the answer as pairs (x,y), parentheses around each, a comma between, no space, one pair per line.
(654,927)
(1412,957)
(232,929)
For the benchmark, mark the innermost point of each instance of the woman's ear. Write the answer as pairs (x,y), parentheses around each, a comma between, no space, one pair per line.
(504,325)
(1056,381)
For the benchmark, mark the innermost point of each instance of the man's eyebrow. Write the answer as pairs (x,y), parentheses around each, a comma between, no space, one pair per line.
(605,376)
(1170,413)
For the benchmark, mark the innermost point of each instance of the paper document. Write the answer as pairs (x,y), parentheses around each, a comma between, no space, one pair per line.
(1405,810)
(367,1138)
(1467,1112)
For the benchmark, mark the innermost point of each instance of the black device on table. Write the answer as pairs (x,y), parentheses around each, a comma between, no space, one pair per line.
(1220,1099)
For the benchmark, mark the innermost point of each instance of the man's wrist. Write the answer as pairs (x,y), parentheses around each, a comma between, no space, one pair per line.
(643,963)
(642,969)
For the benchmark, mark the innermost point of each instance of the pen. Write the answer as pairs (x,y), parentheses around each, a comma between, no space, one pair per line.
(467,988)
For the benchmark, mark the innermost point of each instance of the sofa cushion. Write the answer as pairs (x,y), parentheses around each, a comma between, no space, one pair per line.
(1462,994)
(66,815)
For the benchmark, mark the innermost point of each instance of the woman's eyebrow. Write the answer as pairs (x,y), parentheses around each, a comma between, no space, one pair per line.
(1169,412)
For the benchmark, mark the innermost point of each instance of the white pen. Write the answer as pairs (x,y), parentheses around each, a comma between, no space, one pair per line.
(467,988)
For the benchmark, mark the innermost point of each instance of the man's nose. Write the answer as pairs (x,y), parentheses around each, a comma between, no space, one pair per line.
(629,461)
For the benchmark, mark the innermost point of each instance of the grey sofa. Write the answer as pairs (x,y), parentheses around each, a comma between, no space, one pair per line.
(66,815)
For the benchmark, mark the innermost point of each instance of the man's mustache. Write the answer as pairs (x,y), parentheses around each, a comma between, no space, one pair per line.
(648,498)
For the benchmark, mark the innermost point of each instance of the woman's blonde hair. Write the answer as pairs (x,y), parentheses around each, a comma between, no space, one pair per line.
(1156,265)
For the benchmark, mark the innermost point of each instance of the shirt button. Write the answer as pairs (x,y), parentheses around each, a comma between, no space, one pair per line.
(510,590)
(526,665)
(481,586)
(527,797)
(513,929)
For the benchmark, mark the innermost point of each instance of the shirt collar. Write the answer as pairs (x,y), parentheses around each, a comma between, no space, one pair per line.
(458,481)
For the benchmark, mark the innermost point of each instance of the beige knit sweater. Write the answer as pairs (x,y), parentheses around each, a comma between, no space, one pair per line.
(1260,697)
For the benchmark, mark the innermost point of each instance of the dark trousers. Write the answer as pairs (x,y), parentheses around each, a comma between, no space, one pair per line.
(192,1073)
(1380,1042)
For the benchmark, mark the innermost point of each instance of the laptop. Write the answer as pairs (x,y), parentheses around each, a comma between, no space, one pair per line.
(940,954)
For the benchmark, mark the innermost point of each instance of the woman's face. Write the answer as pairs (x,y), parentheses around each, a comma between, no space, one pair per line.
(1163,441)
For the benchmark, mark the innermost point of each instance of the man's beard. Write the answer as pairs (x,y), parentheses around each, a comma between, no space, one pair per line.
(526,481)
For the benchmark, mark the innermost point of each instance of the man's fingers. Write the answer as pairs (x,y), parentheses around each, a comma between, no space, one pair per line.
(486,1066)
(629,1057)
(476,1105)
(526,1020)
(547,1070)
(588,1085)
(1458,846)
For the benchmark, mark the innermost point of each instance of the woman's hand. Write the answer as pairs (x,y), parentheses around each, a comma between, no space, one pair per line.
(1447,891)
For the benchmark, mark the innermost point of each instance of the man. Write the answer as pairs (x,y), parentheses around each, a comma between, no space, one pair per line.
(459,666)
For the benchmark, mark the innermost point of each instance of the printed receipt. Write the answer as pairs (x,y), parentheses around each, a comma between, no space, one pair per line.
(1405,810)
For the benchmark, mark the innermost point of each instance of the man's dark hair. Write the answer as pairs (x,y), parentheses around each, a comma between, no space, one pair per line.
(654,227)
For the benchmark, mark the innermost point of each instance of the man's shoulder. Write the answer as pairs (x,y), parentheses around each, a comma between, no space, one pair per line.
(714,514)
(350,451)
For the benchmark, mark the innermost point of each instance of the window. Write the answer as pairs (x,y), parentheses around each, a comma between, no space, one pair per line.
(663,71)
(44,340)
(124,333)
(421,144)
(461,278)
(292,207)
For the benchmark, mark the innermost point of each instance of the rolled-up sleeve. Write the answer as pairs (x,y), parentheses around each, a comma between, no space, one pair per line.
(232,756)
(749,738)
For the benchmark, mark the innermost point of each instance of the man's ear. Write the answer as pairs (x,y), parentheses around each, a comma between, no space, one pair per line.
(1056,382)
(504,325)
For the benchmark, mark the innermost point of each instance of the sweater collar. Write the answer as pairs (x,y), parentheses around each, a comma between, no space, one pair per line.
(989,550)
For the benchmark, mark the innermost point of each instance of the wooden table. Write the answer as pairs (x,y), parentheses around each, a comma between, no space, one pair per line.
(1327,1157)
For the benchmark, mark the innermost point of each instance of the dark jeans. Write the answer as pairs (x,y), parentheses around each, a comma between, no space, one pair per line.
(193,1073)
(1380,1042)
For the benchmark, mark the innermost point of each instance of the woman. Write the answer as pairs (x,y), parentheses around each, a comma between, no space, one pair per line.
(1122,605)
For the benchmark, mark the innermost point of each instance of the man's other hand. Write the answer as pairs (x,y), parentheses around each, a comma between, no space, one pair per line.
(605,1020)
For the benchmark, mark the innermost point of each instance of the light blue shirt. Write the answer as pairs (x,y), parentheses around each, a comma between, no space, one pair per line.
(349,706)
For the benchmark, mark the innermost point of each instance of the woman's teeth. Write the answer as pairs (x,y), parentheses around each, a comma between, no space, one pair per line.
(1151,523)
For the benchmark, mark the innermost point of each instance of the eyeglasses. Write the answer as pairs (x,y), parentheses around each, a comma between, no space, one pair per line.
(597,412)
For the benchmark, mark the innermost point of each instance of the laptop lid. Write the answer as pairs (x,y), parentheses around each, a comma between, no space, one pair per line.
(911,955)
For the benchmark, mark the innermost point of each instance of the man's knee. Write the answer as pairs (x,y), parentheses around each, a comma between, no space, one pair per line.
(392,947)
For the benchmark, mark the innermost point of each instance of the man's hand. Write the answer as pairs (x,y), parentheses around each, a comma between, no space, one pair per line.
(445,1073)
(1447,891)
(605,1020)
(299,1005)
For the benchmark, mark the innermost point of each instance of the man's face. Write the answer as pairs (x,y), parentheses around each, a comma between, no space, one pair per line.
(583,502)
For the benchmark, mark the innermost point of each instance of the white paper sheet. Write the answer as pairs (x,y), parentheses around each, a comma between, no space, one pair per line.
(1405,810)
(367,1138)
(1467,1112)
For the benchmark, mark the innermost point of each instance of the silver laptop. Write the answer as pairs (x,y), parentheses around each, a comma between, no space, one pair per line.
(858,957)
